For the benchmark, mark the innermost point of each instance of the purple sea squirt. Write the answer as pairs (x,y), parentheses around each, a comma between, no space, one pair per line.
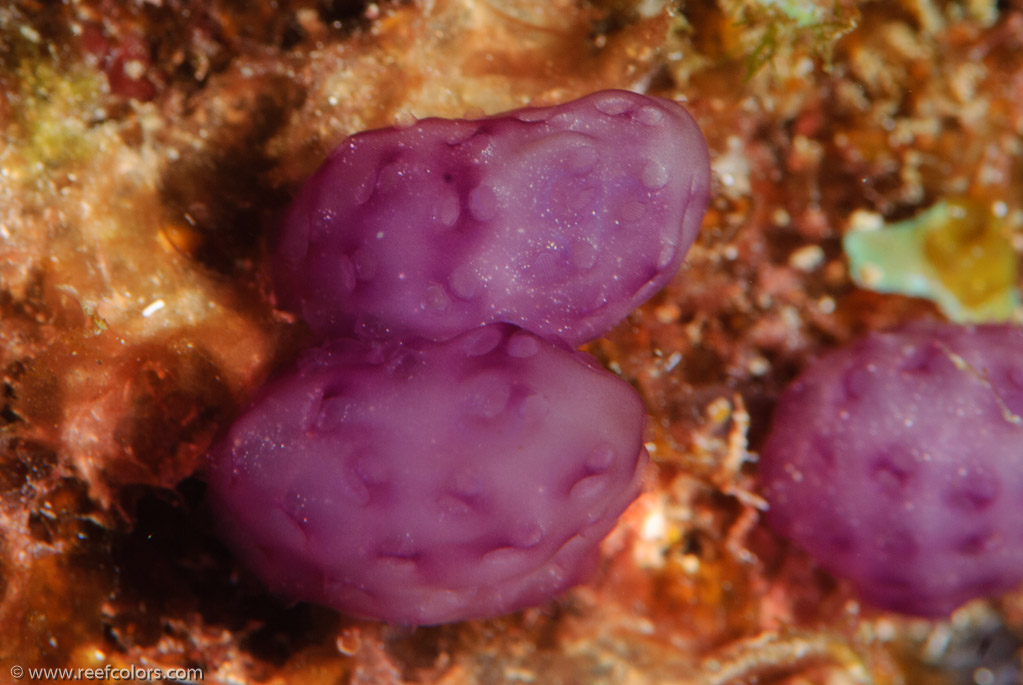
(445,454)
(897,462)
(430,482)
(561,220)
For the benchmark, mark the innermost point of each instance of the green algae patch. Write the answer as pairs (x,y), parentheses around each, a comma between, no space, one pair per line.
(774,24)
(48,131)
(956,254)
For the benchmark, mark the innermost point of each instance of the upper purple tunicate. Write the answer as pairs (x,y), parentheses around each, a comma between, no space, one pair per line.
(429,482)
(560,220)
(897,463)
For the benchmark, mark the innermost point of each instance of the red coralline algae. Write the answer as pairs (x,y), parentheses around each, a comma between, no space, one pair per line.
(898,463)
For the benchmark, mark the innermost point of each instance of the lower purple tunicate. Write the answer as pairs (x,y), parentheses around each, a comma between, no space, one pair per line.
(425,482)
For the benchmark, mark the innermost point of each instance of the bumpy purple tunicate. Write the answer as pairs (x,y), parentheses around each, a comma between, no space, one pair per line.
(561,220)
(898,463)
(428,482)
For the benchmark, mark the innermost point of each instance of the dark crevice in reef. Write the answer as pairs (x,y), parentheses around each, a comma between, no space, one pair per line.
(171,565)
(288,629)
(225,200)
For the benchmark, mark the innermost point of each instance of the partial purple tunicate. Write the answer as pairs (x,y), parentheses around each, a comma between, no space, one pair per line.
(428,482)
(561,220)
(897,463)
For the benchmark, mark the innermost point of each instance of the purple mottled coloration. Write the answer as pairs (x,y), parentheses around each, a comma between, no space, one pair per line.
(898,463)
(429,482)
(561,220)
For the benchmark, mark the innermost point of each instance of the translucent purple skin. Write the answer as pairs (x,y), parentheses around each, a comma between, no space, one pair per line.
(430,482)
(561,220)
(898,463)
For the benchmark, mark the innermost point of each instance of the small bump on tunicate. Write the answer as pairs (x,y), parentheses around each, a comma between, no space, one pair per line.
(600,458)
(535,408)
(532,116)
(651,116)
(971,491)
(487,395)
(370,469)
(588,488)
(612,104)
(978,544)
(526,535)
(294,506)
(892,470)
(355,487)
(362,189)
(334,412)
(584,255)
(463,281)
(436,297)
(522,346)
(345,273)
(483,203)
(857,380)
(581,160)
(481,341)
(461,133)
(448,210)
(666,255)
(654,175)
(390,178)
